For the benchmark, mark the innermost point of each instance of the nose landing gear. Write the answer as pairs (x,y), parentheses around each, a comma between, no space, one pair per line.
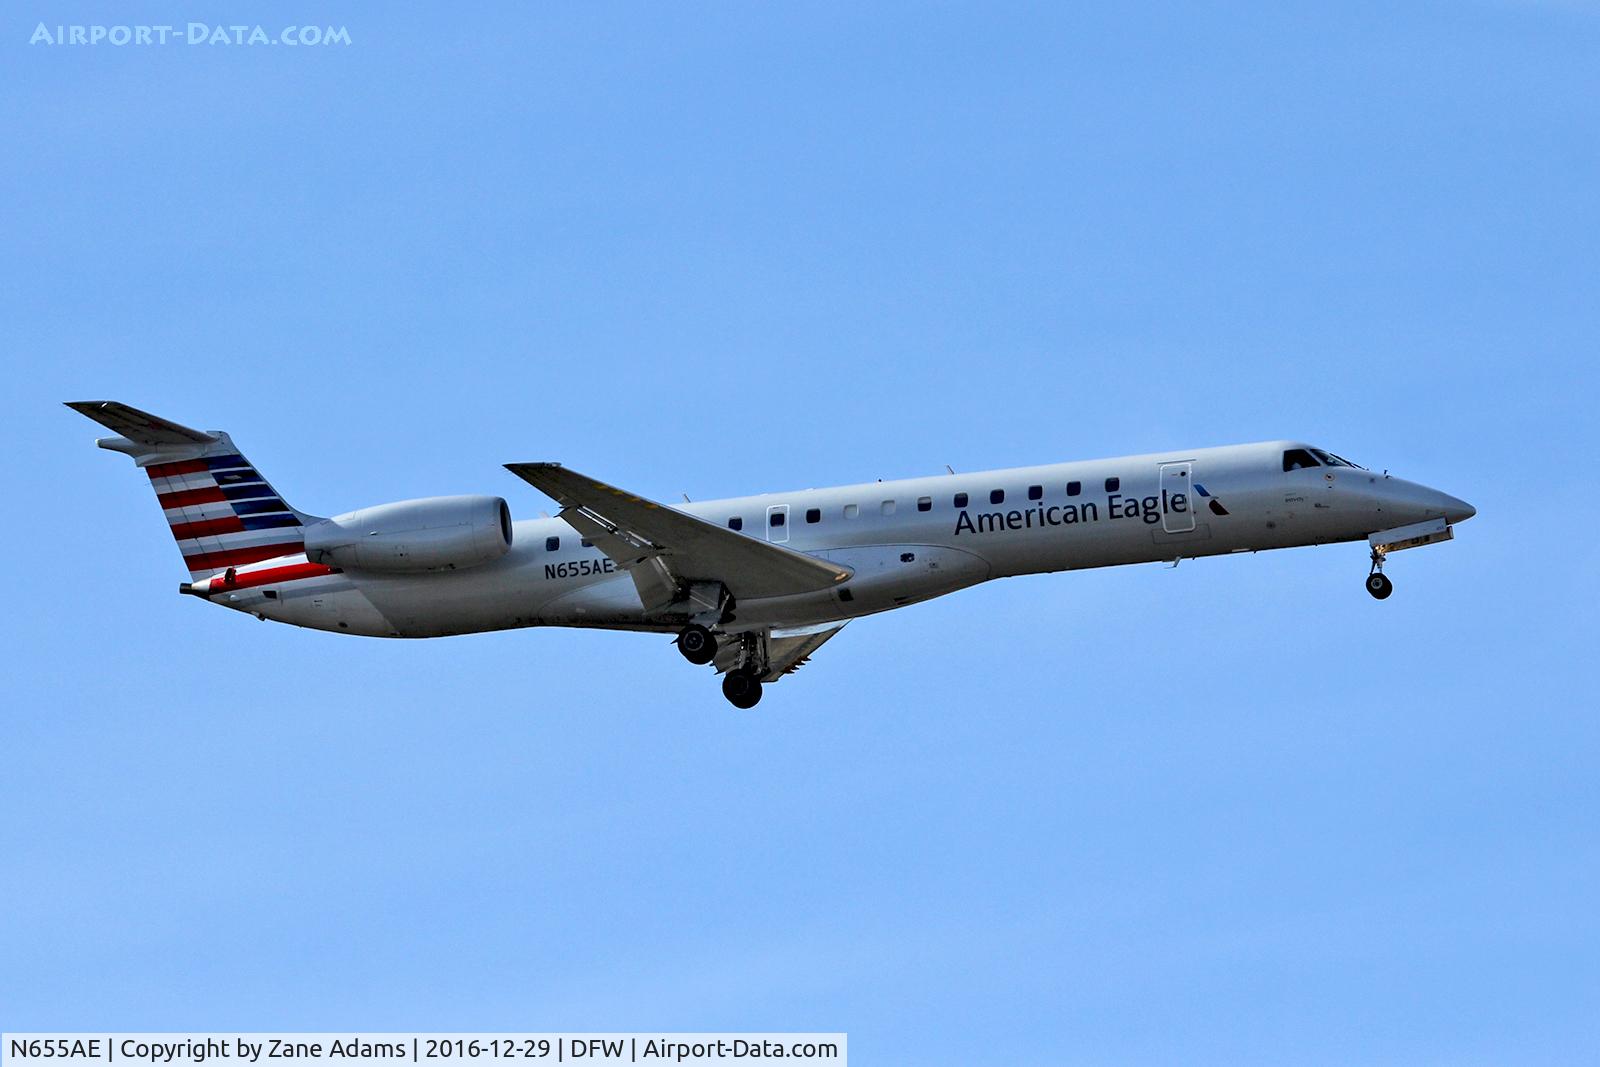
(1377,584)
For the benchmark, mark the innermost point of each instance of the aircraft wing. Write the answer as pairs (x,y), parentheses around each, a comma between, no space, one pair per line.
(664,549)
(786,650)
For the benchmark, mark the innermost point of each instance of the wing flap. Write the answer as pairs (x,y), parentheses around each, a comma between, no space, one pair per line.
(656,587)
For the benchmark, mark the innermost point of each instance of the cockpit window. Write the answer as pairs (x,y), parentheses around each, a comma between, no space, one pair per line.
(1332,460)
(1296,459)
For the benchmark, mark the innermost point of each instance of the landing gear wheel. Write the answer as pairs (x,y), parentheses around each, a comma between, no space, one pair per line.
(742,688)
(698,644)
(1379,586)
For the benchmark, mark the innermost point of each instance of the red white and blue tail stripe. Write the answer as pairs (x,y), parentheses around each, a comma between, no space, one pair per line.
(222,512)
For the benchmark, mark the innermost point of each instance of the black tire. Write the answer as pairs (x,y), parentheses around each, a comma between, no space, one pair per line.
(1379,586)
(742,689)
(698,644)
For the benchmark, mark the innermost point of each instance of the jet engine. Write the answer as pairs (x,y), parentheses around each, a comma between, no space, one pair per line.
(441,533)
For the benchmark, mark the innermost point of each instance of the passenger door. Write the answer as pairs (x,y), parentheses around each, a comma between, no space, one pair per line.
(1175,479)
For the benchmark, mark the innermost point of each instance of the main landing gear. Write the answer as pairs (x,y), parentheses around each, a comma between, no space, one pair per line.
(1377,584)
(698,645)
(742,683)
(742,688)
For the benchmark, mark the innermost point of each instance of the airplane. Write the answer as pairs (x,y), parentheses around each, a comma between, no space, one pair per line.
(752,585)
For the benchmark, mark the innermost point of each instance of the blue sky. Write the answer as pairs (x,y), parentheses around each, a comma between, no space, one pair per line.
(1233,812)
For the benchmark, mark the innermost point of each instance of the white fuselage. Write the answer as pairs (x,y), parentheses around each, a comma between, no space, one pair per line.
(906,541)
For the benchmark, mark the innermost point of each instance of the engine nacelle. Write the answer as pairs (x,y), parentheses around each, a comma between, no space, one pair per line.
(438,533)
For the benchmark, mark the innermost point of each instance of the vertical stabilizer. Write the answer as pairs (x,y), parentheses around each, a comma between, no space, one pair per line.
(222,512)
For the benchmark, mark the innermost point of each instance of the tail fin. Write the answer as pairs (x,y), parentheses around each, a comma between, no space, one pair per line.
(222,512)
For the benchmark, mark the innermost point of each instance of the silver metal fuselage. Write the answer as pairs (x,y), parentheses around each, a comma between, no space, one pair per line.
(906,541)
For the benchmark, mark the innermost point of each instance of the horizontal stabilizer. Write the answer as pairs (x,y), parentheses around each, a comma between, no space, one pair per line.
(140,426)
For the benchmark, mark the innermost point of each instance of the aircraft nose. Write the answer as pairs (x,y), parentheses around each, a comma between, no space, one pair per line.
(1455,509)
(1423,502)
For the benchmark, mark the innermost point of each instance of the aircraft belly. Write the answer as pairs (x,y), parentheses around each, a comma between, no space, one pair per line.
(471,601)
(334,603)
(612,602)
(886,576)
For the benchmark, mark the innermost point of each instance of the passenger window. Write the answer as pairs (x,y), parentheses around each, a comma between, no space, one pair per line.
(776,518)
(552,544)
(1074,488)
(924,503)
(736,523)
(1296,459)
(961,500)
(1113,484)
(1035,492)
(586,543)
(851,511)
(887,507)
(997,496)
(813,514)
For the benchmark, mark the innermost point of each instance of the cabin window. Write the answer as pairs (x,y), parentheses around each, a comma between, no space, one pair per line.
(1297,459)
(997,496)
(1035,492)
(961,500)
(851,511)
(887,507)
(586,543)
(552,544)
(813,514)
(846,595)
(776,518)
(736,523)
(1113,484)
(1074,488)
(924,503)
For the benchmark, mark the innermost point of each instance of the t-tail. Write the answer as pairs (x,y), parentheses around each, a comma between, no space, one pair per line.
(223,513)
